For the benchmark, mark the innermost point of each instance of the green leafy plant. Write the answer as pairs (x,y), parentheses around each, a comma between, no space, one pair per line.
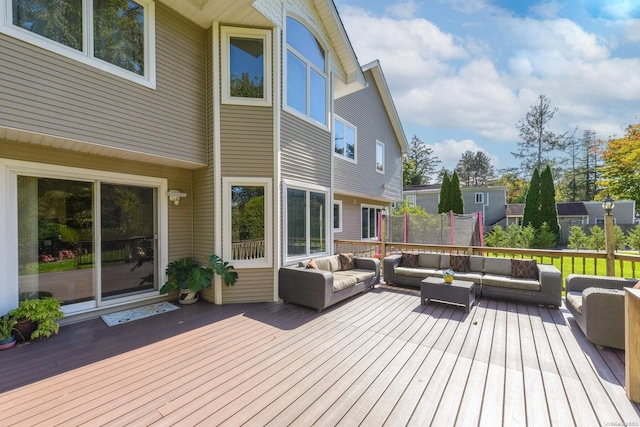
(6,328)
(43,311)
(186,273)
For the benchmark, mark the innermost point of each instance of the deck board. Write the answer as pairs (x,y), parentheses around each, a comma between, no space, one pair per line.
(380,358)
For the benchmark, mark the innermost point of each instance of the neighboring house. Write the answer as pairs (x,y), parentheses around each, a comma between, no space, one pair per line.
(490,201)
(367,160)
(206,129)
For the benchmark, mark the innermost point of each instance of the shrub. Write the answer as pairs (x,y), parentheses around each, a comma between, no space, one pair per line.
(577,238)
(596,239)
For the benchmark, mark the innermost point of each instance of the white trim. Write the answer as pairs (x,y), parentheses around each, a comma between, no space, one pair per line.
(479,200)
(369,206)
(308,188)
(217,178)
(381,144)
(339,203)
(346,125)
(86,55)
(13,168)
(267,184)
(411,198)
(277,172)
(250,33)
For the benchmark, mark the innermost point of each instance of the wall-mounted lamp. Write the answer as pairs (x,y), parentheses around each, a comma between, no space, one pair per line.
(385,186)
(384,212)
(175,195)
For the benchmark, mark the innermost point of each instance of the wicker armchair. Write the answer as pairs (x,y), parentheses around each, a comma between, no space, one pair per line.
(597,305)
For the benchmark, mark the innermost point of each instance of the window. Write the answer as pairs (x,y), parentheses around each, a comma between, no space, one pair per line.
(337,216)
(479,198)
(115,36)
(307,227)
(379,157)
(306,73)
(370,215)
(344,143)
(411,198)
(247,216)
(246,66)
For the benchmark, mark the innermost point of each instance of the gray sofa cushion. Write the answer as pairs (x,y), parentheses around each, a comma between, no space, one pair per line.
(500,281)
(328,263)
(476,263)
(499,266)
(575,299)
(416,272)
(429,260)
(472,276)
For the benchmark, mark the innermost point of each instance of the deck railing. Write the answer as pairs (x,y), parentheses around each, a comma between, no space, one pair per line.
(567,261)
(247,249)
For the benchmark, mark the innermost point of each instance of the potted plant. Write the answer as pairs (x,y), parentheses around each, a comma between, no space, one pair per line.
(7,340)
(448,276)
(189,277)
(42,313)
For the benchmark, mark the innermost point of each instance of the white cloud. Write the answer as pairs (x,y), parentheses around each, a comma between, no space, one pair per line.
(403,9)
(548,9)
(450,152)
(632,33)
(620,9)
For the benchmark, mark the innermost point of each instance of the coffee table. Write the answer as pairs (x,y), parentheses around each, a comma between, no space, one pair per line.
(459,292)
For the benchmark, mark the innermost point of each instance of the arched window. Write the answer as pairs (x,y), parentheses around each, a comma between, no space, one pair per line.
(306,72)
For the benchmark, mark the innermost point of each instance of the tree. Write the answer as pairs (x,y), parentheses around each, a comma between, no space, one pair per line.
(516,187)
(425,163)
(633,238)
(474,169)
(621,169)
(410,173)
(577,238)
(537,142)
(444,204)
(532,204)
(547,200)
(596,239)
(497,238)
(456,202)
(619,240)
(545,238)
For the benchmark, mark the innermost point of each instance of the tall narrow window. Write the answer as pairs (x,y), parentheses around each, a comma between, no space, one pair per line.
(307,225)
(246,65)
(379,157)
(344,139)
(337,216)
(306,73)
(370,222)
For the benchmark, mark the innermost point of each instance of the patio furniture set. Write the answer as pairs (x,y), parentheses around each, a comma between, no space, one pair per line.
(596,302)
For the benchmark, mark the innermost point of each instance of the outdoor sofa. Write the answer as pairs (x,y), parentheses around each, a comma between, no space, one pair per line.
(321,282)
(597,305)
(516,279)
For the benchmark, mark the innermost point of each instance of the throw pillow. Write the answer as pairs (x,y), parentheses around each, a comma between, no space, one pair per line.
(524,268)
(459,263)
(347,261)
(409,260)
(312,265)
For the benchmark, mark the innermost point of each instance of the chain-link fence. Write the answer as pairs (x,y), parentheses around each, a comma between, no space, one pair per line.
(442,229)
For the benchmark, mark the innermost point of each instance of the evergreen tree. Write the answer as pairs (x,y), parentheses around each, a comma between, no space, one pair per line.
(633,238)
(547,201)
(444,204)
(420,161)
(497,238)
(577,238)
(596,239)
(456,203)
(532,204)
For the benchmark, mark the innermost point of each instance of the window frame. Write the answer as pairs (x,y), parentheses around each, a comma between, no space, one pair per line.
(411,198)
(309,66)
(376,208)
(479,198)
(337,203)
(86,55)
(250,33)
(267,183)
(346,125)
(308,188)
(380,144)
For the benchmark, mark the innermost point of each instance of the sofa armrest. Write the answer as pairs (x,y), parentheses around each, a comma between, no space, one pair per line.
(580,282)
(551,281)
(305,286)
(368,264)
(388,265)
(603,314)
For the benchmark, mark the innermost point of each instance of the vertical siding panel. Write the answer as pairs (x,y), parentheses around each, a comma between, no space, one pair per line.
(46,93)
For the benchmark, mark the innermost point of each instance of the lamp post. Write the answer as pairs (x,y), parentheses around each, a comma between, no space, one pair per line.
(383,233)
(608,204)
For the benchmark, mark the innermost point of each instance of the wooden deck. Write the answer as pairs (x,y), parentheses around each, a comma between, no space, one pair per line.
(380,358)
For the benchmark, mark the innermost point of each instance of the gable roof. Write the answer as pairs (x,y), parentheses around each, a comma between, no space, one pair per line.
(564,209)
(387,100)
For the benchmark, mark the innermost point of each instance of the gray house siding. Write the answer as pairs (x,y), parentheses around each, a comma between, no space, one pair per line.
(180,217)
(365,110)
(352,216)
(49,94)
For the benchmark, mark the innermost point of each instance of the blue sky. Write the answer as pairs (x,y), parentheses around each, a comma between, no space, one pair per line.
(463,72)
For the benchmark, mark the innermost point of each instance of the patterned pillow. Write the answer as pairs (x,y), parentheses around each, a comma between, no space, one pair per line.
(347,261)
(459,263)
(524,268)
(409,260)
(312,264)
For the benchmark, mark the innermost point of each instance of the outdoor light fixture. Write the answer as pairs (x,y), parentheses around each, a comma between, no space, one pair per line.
(175,195)
(385,213)
(608,204)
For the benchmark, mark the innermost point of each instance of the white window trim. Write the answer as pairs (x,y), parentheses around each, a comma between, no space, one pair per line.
(325,73)
(286,184)
(346,124)
(250,33)
(367,239)
(339,229)
(381,144)
(227,183)
(411,198)
(9,171)
(479,198)
(86,56)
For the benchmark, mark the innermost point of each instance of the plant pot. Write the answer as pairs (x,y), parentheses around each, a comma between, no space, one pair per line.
(187,296)
(448,279)
(24,329)
(7,343)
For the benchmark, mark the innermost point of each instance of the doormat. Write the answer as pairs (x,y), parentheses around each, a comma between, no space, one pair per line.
(126,316)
